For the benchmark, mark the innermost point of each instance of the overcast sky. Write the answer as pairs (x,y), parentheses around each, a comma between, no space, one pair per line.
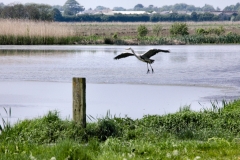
(131,3)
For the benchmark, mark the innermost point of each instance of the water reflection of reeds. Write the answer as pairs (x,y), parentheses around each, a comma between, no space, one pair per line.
(43,52)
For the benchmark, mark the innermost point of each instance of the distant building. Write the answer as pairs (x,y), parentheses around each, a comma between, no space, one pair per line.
(127,12)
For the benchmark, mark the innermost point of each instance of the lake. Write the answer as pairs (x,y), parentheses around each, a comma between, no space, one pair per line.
(36,79)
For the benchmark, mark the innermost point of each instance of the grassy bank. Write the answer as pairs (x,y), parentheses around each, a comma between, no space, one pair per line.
(19,32)
(212,133)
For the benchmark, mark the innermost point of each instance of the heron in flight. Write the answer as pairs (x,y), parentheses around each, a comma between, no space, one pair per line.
(142,57)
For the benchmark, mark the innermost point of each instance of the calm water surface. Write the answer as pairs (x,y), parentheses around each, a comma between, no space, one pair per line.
(213,67)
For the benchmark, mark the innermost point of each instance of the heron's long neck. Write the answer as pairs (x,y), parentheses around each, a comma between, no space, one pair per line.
(133,51)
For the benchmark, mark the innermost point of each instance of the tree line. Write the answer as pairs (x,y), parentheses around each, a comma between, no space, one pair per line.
(29,11)
(198,17)
(50,13)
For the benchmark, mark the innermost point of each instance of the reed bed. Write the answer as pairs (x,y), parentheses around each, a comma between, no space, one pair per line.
(38,32)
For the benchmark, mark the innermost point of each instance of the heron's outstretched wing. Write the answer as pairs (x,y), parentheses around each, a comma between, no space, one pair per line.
(152,52)
(123,55)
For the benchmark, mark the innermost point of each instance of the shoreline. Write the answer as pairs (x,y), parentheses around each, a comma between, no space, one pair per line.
(33,99)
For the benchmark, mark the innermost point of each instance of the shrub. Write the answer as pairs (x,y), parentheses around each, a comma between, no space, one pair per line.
(179,29)
(218,31)
(142,31)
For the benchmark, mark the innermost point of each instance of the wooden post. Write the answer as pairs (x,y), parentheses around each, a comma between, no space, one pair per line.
(79,101)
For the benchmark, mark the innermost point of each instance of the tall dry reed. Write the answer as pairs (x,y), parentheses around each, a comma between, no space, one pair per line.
(63,29)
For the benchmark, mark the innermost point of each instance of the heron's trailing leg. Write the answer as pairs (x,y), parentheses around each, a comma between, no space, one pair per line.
(148,69)
(151,67)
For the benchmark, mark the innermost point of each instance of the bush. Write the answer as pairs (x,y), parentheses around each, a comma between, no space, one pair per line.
(179,29)
(142,31)
(217,31)
(157,29)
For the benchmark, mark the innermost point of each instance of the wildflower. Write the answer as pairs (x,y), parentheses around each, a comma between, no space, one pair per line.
(130,155)
(168,155)
(32,157)
(196,158)
(53,158)
(175,153)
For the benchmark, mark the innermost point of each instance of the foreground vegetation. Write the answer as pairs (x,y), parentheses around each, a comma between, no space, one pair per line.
(213,133)
(19,32)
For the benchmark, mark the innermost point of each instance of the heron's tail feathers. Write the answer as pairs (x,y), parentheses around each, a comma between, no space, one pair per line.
(151,61)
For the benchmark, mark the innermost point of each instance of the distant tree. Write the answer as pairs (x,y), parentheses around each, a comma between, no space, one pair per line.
(72,7)
(191,8)
(100,8)
(232,7)
(151,6)
(194,16)
(45,12)
(60,8)
(32,11)
(13,11)
(237,18)
(56,15)
(206,16)
(208,7)
(138,7)
(1,5)
(7,12)
(218,9)
(180,7)
(119,9)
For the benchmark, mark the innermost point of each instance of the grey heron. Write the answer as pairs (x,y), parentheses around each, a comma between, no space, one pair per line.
(142,57)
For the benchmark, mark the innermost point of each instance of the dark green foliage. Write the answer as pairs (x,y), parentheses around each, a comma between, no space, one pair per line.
(56,15)
(108,41)
(106,128)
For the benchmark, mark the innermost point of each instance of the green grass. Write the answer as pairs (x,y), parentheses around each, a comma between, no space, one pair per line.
(212,133)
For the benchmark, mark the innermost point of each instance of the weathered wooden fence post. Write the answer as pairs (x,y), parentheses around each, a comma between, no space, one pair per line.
(79,101)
